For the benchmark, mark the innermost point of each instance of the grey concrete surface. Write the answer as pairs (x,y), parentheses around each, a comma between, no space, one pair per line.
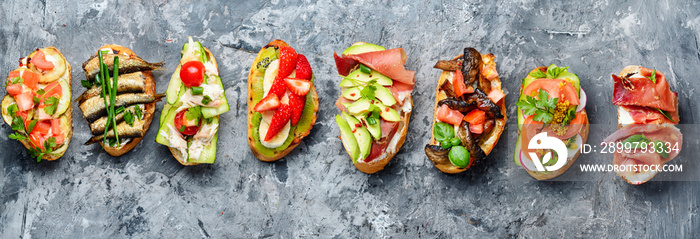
(316,191)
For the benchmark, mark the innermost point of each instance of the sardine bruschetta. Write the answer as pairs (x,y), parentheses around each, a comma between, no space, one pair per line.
(189,123)
(118,104)
(470,112)
(375,103)
(551,101)
(282,101)
(38,103)
(647,114)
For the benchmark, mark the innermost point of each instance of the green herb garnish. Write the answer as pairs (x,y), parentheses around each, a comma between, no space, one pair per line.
(137,108)
(653,76)
(542,107)
(50,105)
(129,118)
(666,114)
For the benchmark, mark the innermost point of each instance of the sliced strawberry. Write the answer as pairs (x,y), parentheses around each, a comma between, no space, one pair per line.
(288,61)
(25,101)
(278,88)
(39,60)
(296,102)
(303,68)
(279,119)
(270,102)
(298,86)
(14,89)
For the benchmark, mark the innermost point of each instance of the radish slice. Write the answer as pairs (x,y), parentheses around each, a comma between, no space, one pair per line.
(583,100)
(526,163)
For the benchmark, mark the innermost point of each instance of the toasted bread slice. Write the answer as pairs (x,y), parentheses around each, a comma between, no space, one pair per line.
(255,75)
(487,142)
(66,118)
(553,174)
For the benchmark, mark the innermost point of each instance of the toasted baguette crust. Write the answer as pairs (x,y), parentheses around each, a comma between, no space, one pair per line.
(379,163)
(254,74)
(489,141)
(544,176)
(176,153)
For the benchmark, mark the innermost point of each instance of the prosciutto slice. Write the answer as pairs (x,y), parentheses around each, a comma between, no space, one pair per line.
(388,62)
(666,133)
(641,91)
(647,115)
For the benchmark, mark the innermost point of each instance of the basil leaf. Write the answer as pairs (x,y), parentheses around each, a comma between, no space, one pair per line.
(666,114)
(459,156)
(636,141)
(653,76)
(443,131)
(661,149)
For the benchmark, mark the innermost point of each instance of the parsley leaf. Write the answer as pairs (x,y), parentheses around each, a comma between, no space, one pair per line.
(542,107)
(653,76)
(12,110)
(40,92)
(31,126)
(17,80)
(50,105)
(369,89)
(538,74)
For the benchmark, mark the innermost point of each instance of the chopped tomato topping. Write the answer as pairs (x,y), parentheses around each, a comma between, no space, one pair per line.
(14,89)
(25,101)
(55,126)
(59,138)
(458,84)
(496,95)
(53,89)
(42,127)
(450,116)
(13,74)
(476,128)
(475,117)
(39,60)
(180,121)
(37,140)
(30,79)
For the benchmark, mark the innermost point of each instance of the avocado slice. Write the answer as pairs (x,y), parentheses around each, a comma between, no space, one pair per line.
(360,76)
(359,107)
(362,135)
(374,129)
(384,95)
(362,47)
(352,93)
(349,141)
(387,113)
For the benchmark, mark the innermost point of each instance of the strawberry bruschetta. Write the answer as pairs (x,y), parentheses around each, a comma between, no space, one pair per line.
(282,101)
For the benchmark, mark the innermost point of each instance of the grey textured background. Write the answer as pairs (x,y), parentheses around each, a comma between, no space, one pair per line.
(315,191)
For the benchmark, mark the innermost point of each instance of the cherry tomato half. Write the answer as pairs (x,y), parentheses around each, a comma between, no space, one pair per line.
(192,73)
(180,119)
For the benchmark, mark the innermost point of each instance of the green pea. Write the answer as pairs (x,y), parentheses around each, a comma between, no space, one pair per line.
(459,156)
(445,144)
(455,141)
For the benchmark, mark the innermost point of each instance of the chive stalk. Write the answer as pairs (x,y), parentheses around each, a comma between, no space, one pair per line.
(113,95)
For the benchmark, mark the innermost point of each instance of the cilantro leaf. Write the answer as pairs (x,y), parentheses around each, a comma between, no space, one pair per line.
(193,113)
(17,136)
